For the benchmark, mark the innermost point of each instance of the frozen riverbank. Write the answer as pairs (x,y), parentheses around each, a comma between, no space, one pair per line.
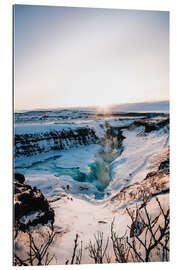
(90,184)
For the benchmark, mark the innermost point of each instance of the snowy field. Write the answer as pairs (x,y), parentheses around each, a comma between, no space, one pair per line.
(80,179)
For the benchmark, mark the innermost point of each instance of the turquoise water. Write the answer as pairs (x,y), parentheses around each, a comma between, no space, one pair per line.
(97,170)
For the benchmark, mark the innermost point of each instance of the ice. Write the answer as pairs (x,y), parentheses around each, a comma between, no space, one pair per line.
(79,182)
(106,169)
(80,157)
(98,125)
(133,164)
(82,165)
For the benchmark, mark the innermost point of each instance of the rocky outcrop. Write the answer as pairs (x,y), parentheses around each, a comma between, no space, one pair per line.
(31,208)
(164,165)
(28,144)
(155,183)
(151,124)
(115,132)
(19,178)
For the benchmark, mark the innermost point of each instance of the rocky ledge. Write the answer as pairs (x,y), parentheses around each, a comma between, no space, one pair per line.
(151,124)
(155,183)
(31,208)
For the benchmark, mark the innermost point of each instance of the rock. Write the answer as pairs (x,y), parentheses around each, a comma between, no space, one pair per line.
(164,165)
(19,177)
(151,124)
(28,144)
(83,188)
(32,144)
(30,206)
(150,174)
(102,222)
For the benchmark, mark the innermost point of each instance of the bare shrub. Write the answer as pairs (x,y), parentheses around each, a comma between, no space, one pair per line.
(120,248)
(148,240)
(96,251)
(155,240)
(37,255)
(77,253)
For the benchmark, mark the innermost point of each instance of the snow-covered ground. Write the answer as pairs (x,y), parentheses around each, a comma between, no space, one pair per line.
(98,125)
(81,181)
(84,168)
(133,164)
(85,219)
(75,216)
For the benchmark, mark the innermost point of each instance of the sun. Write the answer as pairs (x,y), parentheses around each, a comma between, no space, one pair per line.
(105,109)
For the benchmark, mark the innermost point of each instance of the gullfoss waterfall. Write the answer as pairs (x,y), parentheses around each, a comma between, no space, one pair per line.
(81,165)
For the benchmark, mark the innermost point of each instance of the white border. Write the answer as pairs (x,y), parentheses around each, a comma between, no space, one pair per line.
(6,121)
(128,4)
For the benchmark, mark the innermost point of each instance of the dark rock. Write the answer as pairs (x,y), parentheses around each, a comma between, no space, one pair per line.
(32,144)
(19,177)
(83,188)
(164,165)
(150,174)
(102,222)
(151,124)
(29,201)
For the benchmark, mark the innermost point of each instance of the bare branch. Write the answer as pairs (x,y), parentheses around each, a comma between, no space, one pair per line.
(96,251)
(36,254)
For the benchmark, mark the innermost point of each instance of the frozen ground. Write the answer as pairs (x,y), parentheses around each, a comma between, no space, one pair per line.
(95,170)
(81,182)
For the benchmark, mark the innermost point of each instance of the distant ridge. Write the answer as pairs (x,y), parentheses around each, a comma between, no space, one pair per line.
(159,106)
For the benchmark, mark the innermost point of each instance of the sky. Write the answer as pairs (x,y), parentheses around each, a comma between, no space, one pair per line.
(65,56)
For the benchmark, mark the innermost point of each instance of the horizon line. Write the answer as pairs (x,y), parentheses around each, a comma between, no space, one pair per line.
(90,106)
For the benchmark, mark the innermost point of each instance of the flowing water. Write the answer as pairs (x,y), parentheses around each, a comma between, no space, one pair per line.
(101,162)
(82,166)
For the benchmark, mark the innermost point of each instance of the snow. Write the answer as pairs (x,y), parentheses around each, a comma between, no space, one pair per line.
(80,157)
(86,219)
(133,164)
(79,166)
(52,185)
(31,216)
(98,126)
(26,162)
(80,206)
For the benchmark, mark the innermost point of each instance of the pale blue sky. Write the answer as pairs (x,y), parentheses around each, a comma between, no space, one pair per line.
(84,56)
